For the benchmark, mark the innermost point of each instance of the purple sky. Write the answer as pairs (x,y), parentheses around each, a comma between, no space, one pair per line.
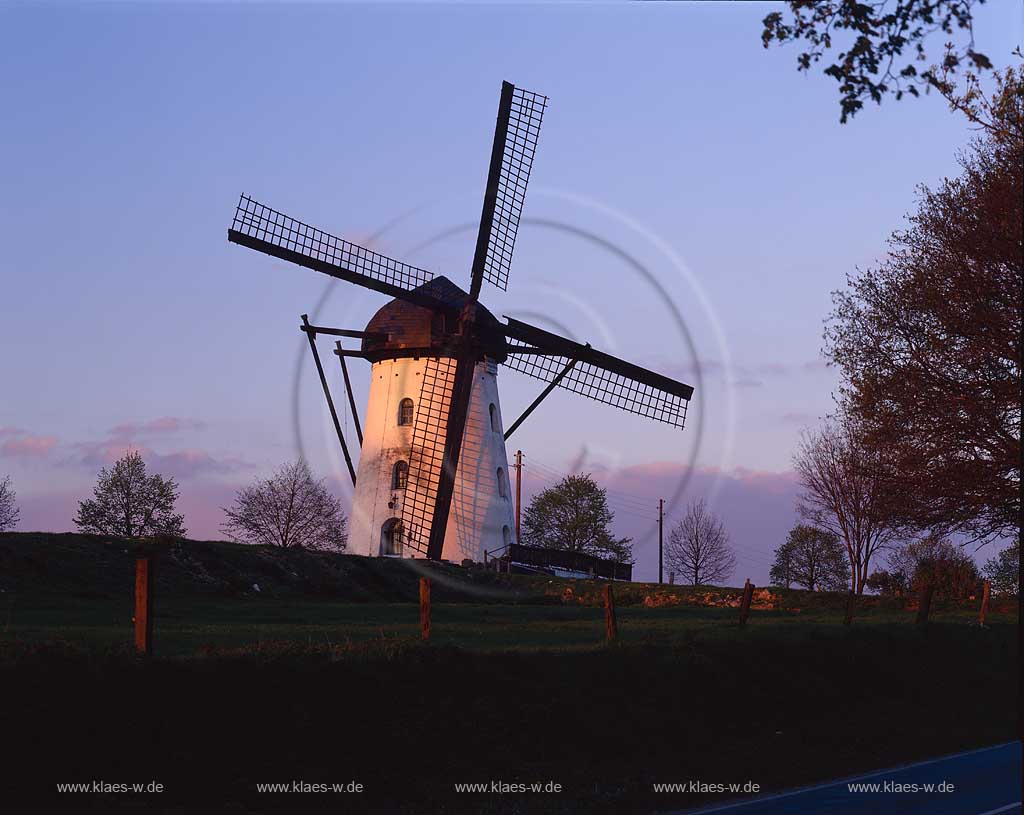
(682,170)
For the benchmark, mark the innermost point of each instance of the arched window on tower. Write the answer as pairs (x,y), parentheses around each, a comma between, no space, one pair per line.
(391,537)
(405,411)
(502,491)
(494,418)
(400,475)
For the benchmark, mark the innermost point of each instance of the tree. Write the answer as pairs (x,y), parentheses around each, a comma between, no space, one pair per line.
(128,503)
(936,561)
(8,506)
(813,558)
(886,582)
(289,510)
(883,41)
(1004,570)
(842,493)
(930,346)
(781,573)
(574,515)
(698,547)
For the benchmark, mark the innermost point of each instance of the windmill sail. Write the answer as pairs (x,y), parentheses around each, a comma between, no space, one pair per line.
(259,227)
(452,332)
(515,144)
(596,375)
(429,430)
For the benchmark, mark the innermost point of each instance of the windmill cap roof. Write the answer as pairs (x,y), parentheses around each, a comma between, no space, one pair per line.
(411,328)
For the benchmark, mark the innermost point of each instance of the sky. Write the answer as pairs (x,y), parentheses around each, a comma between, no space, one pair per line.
(693,203)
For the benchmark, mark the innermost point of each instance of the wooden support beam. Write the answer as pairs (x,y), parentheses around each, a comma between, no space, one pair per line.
(144,605)
(533,350)
(344,332)
(539,399)
(986,592)
(924,604)
(748,595)
(341,352)
(851,603)
(611,627)
(348,388)
(311,336)
(425,609)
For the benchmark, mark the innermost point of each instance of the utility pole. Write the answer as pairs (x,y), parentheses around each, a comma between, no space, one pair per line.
(519,488)
(661,524)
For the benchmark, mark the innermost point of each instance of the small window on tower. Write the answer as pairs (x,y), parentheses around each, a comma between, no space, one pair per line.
(494,418)
(405,410)
(501,483)
(400,475)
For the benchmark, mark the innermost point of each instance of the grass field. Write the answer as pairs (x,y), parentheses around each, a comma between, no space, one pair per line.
(320,677)
(186,625)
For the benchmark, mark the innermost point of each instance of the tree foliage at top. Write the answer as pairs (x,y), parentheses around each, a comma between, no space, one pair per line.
(930,346)
(883,48)
(127,503)
(289,510)
(698,547)
(574,515)
(812,558)
(9,511)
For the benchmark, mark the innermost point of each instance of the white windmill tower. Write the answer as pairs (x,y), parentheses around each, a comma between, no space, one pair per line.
(433,470)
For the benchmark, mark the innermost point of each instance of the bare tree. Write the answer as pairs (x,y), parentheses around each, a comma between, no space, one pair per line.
(8,507)
(843,492)
(698,547)
(128,503)
(289,510)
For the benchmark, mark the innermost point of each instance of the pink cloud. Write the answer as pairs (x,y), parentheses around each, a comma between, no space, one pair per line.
(26,446)
(182,464)
(165,424)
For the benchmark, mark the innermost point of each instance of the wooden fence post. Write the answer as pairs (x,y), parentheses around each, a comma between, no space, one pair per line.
(144,605)
(851,601)
(611,628)
(986,592)
(924,604)
(748,595)
(425,609)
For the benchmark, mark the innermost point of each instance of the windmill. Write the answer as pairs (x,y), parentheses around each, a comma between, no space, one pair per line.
(443,346)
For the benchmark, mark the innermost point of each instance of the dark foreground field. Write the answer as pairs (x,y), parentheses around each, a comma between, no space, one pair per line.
(296,685)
